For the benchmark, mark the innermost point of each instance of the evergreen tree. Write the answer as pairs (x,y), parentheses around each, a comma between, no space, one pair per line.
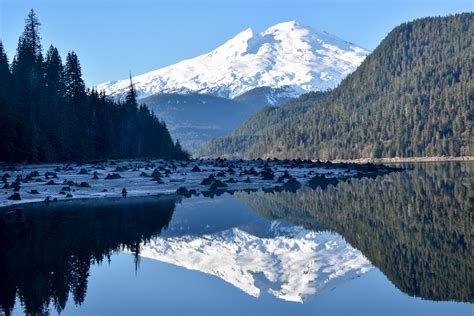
(46,114)
(28,85)
(411,97)
(6,126)
(73,77)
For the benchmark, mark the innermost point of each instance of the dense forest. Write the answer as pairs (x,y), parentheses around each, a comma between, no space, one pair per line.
(412,96)
(89,234)
(415,226)
(47,114)
(250,132)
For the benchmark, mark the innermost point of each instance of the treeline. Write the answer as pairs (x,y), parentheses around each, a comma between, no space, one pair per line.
(250,132)
(47,114)
(86,234)
(412,96)
(415,226)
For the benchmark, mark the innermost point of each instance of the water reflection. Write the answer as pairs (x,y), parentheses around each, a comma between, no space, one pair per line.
(415,226)
(288,262)
(47,253)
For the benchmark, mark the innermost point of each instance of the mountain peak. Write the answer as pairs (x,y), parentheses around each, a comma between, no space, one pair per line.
(285,26)
(284,55)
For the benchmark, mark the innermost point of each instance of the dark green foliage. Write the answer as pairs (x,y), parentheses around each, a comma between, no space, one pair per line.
(65,240)
(415,226)
(250,132)
(47,114)
(412,96)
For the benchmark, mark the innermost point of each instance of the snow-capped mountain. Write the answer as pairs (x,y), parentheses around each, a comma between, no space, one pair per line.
(291,264)
(286,55)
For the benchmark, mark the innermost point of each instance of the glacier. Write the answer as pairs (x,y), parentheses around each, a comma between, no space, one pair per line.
(287,55)
(292,264)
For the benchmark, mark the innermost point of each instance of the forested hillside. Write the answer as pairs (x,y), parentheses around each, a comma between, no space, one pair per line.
(413,96)
(414,225)
(250,132)
(47,114)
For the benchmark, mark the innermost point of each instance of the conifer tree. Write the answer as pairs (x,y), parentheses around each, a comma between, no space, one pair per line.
(47,114)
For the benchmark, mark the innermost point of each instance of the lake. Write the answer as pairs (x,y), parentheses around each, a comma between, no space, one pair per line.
(399,244)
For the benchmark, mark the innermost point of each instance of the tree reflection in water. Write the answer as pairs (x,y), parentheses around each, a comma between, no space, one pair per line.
(46,252)
(415,226)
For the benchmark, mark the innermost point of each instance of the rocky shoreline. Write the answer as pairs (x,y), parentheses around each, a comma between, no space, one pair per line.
(49,183)
(406,159)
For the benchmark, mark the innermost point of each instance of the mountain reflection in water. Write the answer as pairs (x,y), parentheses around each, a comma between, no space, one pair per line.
(415,226)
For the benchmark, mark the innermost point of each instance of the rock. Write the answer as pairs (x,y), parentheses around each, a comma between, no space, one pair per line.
(84,185)
(83,171)
(156,173)
(144,174)
(120,169)
(15,197)
(231,180)
(220,174)
(34,174)
(208,180)
(250,172)
(182,191)
(113,176)
(69,183)
(69,195)
(6,186)
(96,176)
(51,182)
(34,191)
(50,174)
(286,175)
(267,174)
(321,181)
(196,169)
(247,180)
(292,185)
(217,184)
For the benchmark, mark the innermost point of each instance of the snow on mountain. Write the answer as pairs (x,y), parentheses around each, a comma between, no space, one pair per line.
(292,265)
(286,55)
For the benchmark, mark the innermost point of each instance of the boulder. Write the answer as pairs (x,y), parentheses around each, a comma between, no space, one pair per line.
(15,197)
(113,176)
(196,169)
(83,171)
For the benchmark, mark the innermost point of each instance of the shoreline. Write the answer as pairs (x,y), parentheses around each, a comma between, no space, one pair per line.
(405,159)
(54,182)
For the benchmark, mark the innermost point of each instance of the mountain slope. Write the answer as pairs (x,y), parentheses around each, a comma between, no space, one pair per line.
(292,264)
(286,55)
(194,118)
(249,133)
(412,96)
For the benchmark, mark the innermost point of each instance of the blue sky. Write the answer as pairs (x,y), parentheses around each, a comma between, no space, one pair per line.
(113,37)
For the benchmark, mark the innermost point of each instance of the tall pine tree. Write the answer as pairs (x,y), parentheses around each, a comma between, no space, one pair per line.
(46,113)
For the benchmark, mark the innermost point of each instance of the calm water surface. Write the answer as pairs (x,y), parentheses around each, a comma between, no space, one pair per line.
(396,245)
